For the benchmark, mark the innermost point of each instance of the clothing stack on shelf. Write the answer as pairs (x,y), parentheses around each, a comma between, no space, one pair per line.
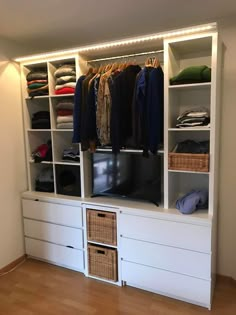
(194,118)
(120,105)
(64,111)
(37,83)
(192,201)
(71,154)
(65,77)
(191,146)
(45,181)
(194,74)
(43,152)
(41,120)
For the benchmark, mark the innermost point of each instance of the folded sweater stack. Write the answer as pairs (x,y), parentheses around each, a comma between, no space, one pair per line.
(194,74)
(194,118)
(45,181)
(43,152)
(191,146)
(65,78)
(41,120)
(64,111)
(37,82)
(71,154)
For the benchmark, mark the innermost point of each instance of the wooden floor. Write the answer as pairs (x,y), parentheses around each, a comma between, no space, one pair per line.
(39,288)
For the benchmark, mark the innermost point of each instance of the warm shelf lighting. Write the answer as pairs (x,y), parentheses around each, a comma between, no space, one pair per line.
(130,41)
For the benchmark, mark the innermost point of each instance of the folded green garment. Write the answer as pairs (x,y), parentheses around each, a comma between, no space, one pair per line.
(194,74)
(36,85)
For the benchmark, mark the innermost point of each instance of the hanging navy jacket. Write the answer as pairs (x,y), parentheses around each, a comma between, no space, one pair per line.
(77,110)
(155,109)
(121,111)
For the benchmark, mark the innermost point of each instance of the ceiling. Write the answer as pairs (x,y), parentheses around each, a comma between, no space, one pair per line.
(46,25)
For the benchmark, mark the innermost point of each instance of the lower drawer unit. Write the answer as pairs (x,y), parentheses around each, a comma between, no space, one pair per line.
(165,257)
(60,255)
(171,284)
(57,234)
(171,233)
(102,262)
(53,212)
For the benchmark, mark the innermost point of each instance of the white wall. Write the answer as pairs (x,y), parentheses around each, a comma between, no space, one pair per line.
(12,163)
(227,189)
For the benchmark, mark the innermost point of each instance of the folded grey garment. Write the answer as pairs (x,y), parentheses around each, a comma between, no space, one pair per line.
(66,125)
(45,175)
(36,75)
(64,105)
(193,124)
(197,112)
(68,84)
(64,119)
(66,79)
(65,71)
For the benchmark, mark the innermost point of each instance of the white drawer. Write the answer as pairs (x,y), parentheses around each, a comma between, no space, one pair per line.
(58,234)
(53,212)
(178,286)
(60,255)
(164,257)
(177,234)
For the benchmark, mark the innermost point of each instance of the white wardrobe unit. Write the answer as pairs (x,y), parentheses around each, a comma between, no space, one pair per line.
(158,248)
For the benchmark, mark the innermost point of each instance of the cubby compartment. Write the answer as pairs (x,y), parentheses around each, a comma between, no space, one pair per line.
(68,180)
(64,150)
(41,177)
(35,139)
(39,82)
(190,52)
(190,98)
(62,112)
(53,76)
(34,107)
(181,183)
(177,137)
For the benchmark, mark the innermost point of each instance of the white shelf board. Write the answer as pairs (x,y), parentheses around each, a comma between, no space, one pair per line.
(61,129)
(191,172)
(66,163)
(37,97)
(125,150)
(190,86)
(36,130)
(101,244)
(43,162)
(62,95)
(190,129)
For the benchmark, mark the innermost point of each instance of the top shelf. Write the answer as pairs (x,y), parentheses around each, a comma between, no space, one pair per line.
(194,86)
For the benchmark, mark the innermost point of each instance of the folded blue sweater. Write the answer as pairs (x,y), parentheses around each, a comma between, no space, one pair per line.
(192,201)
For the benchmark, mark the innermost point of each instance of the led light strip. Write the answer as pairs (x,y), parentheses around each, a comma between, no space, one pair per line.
(127,56)
(135,40)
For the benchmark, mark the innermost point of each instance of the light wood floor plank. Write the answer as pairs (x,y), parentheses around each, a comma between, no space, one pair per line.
(43,289)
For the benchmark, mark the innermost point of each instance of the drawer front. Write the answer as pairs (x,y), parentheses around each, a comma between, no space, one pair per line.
(53,212)
(177,234)
(64,256)
(164,257)
(58,234)
(168,283)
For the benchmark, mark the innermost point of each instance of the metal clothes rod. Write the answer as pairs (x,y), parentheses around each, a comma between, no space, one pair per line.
(127,56)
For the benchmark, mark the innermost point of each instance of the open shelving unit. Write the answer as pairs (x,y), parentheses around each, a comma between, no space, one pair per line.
(149,238)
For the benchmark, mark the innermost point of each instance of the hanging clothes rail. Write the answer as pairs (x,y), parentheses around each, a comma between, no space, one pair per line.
(127,56)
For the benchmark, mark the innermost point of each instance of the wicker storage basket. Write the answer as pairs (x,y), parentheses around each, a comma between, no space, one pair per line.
(101,227)
(189,162)
(102,262)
